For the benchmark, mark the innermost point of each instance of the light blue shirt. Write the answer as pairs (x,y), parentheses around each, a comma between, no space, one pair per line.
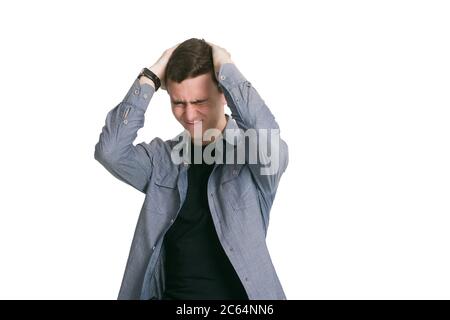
(239,195)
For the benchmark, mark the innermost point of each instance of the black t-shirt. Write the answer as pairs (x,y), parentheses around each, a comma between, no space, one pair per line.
(197,267)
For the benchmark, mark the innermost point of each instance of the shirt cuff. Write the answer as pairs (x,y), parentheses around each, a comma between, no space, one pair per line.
(230,76)
(139,95)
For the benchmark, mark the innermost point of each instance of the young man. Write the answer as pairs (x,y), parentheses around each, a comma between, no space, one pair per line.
(202,228)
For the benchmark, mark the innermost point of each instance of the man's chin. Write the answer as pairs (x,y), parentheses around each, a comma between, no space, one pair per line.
(194,133)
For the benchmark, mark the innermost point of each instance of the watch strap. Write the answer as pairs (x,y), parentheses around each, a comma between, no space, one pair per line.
(152,76)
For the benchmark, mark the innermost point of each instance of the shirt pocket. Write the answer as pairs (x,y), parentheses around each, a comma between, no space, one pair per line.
(238,185)
(164,197)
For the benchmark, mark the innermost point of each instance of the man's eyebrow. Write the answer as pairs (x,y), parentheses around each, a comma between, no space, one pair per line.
(194,101)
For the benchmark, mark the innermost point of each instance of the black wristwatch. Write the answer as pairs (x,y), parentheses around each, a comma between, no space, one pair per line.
(149,74)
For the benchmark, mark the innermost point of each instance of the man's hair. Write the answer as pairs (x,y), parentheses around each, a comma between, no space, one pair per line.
(191,58)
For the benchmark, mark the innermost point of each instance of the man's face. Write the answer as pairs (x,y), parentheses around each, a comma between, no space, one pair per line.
(197,104)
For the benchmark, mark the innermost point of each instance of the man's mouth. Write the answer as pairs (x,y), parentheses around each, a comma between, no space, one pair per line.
(193,123)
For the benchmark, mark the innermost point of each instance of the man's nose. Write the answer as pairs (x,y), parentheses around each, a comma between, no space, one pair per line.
(190,112)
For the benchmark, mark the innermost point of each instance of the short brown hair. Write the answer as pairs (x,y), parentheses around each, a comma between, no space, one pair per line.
(191,58)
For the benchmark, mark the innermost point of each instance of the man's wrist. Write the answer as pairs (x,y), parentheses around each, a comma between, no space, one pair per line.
(156,70)
(145,80)
(147,76)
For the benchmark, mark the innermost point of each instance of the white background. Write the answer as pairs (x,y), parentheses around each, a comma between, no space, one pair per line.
(360,90)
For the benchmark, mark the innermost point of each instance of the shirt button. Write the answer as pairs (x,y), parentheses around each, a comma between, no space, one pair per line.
(145,96)
(125,121)
(153,248)
(136,92)
(222,77)
(171,220)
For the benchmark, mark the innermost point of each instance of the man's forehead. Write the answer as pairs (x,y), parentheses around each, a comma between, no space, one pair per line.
(193,89)
(191,97)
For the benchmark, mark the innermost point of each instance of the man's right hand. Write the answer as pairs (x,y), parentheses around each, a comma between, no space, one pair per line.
(159,67)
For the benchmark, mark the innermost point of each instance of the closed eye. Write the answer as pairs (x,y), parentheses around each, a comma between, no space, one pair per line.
(197,102)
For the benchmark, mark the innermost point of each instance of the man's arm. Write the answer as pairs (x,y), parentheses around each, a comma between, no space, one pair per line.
(250,111)
(115,149)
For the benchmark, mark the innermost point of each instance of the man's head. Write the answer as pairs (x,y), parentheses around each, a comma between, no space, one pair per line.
(196,99)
